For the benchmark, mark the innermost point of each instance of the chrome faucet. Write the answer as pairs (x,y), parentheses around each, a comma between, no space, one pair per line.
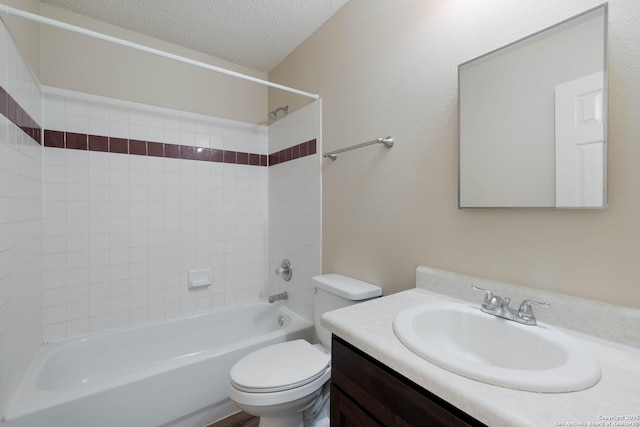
(278,297)
(498,306)
(285,270)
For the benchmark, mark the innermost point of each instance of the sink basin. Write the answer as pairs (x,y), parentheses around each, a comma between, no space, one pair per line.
(468,342)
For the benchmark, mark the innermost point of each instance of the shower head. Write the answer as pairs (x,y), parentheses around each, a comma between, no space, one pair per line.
(273,115)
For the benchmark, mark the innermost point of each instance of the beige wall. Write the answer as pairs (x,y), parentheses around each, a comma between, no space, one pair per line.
(83,64)
(390,68)
(25,34)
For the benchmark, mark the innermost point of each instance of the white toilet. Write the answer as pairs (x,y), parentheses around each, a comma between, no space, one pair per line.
(287,384)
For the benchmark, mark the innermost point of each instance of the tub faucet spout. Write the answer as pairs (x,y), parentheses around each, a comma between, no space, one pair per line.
(278,297)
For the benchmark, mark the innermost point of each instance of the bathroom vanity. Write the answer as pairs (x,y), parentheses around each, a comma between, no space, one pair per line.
(376,380)
(365,392)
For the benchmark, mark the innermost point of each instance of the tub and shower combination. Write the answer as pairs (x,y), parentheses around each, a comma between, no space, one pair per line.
(173,373)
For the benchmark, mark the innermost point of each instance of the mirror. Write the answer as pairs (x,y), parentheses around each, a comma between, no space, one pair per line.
(533,120)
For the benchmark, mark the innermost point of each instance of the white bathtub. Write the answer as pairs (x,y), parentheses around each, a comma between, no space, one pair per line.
(173,373)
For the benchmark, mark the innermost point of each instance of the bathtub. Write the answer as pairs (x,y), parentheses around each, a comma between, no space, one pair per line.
(173,373)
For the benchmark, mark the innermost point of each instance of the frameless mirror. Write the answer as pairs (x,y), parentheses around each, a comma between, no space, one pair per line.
(533,119)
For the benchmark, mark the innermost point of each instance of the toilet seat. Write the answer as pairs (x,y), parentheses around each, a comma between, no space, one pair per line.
(288,384)
(249,401)
(280,367)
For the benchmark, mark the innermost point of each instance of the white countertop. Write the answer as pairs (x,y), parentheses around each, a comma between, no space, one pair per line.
(368,326)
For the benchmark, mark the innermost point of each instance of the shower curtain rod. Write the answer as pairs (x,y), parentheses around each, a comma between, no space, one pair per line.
(7,10)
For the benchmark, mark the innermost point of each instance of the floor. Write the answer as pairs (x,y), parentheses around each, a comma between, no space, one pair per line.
(240,419)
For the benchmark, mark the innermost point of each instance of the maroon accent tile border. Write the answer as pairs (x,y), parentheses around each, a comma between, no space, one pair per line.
(10,108)
(295,152)
(119,145)
(172,151)
(98,143)
(4,98)
(80,141)
(187,153)
(216,155)
(53,138)
(242,158)
(138,148)
(77,141)
(203,154)
(155,149)
(230,156)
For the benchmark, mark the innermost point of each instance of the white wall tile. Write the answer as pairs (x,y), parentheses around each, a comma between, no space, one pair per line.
(56,121)
(54,104)
(119,319)
(155,134)
(96,159)
(77,276)
(54,297)
(118,114)
(77,158)
(137,117)
(138,132)
(54,279)
(54,332)
(94,126)
(75,107)
(294,200)
(77,124)
(78,327)
(142,222)
(52,156)
(99,323)
(95,110)
(118,129)
(55,314)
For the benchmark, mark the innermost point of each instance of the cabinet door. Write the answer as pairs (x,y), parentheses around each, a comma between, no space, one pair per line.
(345,413)
(386,397)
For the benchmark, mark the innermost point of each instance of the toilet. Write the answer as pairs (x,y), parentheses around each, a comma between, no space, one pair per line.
(287,384)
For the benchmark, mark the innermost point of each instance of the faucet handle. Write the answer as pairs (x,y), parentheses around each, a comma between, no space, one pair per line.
(525,310)
(488,294)
(284,270)
(491,301)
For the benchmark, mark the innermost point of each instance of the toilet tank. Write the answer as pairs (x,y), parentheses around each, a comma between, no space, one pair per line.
(334,291)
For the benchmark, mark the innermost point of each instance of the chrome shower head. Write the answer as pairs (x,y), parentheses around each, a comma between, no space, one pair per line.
(273,115)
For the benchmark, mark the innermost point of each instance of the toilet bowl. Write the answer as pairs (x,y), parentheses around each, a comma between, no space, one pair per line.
(280,382)
(287,384)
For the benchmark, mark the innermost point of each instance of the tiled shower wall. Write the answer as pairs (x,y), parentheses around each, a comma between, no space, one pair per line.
(20,218)
(140,196)
(99,228)
(295,194)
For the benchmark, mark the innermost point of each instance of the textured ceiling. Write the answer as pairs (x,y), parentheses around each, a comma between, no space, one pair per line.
(255,33)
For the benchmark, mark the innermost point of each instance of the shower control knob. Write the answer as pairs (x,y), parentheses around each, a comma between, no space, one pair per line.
(285,270)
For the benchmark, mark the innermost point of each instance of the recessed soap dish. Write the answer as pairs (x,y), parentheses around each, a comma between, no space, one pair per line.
(200,278)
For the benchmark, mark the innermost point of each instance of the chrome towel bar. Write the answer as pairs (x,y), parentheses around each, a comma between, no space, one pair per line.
(388,142)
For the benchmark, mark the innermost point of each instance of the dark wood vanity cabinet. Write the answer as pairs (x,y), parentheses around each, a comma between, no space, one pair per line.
(364,393)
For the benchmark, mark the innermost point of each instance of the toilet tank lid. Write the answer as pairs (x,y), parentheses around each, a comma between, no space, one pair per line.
(347,287)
